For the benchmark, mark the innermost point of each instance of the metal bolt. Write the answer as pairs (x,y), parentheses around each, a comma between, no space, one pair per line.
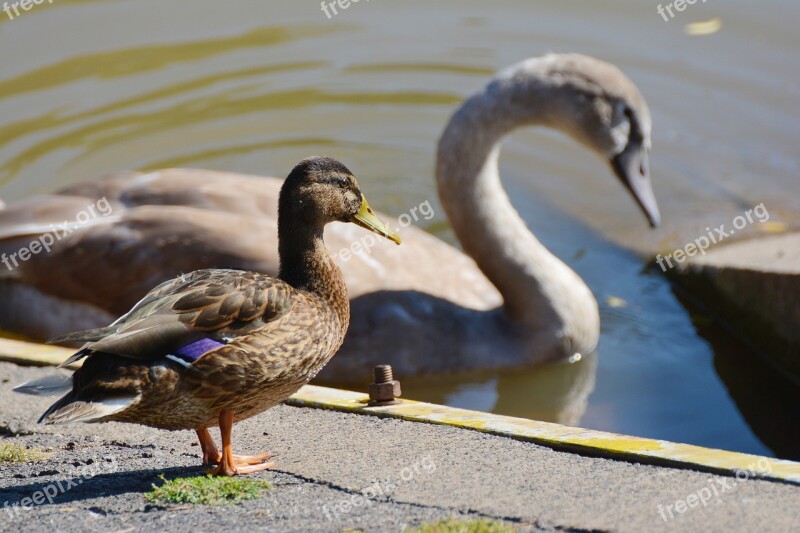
(383,374)
(385,390)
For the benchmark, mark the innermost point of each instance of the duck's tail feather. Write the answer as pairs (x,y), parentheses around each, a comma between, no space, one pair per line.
(88,335)
(46,386)
(68,409)
(77,356)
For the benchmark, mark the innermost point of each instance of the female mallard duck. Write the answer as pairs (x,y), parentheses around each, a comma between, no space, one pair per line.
(507,302)
(216,346)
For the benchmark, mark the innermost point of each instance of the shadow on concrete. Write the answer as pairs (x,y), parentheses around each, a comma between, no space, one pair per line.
(78,489)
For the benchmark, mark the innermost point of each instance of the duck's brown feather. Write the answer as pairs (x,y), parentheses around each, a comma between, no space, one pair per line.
(278,338)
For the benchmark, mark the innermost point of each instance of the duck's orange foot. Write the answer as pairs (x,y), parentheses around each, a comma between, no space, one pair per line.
(238,460)
(242,464)
(227,463)
(249,460)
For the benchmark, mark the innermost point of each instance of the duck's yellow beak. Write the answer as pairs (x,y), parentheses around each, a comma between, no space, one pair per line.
(366,218)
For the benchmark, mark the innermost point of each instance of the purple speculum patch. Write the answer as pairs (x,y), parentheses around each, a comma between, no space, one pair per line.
(194,350)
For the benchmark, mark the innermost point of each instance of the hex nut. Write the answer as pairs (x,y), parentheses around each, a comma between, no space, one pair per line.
(384,392)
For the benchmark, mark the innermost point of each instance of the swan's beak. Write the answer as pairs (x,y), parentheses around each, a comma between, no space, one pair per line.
(366,218)
(633,169)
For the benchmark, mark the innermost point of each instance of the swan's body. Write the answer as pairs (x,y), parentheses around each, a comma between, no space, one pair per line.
(428,309)
(179,220)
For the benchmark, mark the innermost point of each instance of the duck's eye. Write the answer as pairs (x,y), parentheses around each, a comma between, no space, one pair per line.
(342,181)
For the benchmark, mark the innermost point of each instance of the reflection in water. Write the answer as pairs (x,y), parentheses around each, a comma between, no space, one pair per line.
(766,397)
(52,120)
(553,393)
(138,60)
(94,87)
(562,391)
(233,103)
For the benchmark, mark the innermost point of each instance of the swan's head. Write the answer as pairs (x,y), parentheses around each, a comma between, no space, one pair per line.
(595,103)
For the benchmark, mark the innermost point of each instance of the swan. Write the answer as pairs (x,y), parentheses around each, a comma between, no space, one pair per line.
(505,302)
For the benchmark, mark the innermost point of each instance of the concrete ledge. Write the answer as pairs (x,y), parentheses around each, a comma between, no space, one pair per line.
(582,441)
(558,437)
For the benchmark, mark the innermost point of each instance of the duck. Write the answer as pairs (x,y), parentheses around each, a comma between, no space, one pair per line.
(504,302)
(217,346)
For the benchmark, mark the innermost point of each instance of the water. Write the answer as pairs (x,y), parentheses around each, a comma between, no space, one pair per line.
(89,87)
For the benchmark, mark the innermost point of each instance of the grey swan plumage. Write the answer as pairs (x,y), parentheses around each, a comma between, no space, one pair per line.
(505,302)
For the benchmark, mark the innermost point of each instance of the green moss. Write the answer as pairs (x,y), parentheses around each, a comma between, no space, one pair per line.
(13,453)
(208,490)
(453,525)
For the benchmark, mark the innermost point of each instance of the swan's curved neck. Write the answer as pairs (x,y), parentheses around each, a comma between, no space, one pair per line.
(538,289)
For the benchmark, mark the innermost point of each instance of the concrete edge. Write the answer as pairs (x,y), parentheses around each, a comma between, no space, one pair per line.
(558,437)
(577,440)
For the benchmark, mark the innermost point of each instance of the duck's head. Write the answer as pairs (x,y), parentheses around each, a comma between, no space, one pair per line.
(596,104)
(320,190)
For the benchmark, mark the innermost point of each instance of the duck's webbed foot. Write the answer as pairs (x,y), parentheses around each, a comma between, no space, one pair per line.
(245,460)
(227,463)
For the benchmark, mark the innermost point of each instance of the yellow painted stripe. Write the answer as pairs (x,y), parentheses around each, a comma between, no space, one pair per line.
(553,435)
(26,353)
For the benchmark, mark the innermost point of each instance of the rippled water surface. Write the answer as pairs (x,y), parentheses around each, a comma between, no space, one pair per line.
(89,87)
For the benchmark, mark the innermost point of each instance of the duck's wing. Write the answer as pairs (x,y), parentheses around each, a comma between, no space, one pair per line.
(207,304)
